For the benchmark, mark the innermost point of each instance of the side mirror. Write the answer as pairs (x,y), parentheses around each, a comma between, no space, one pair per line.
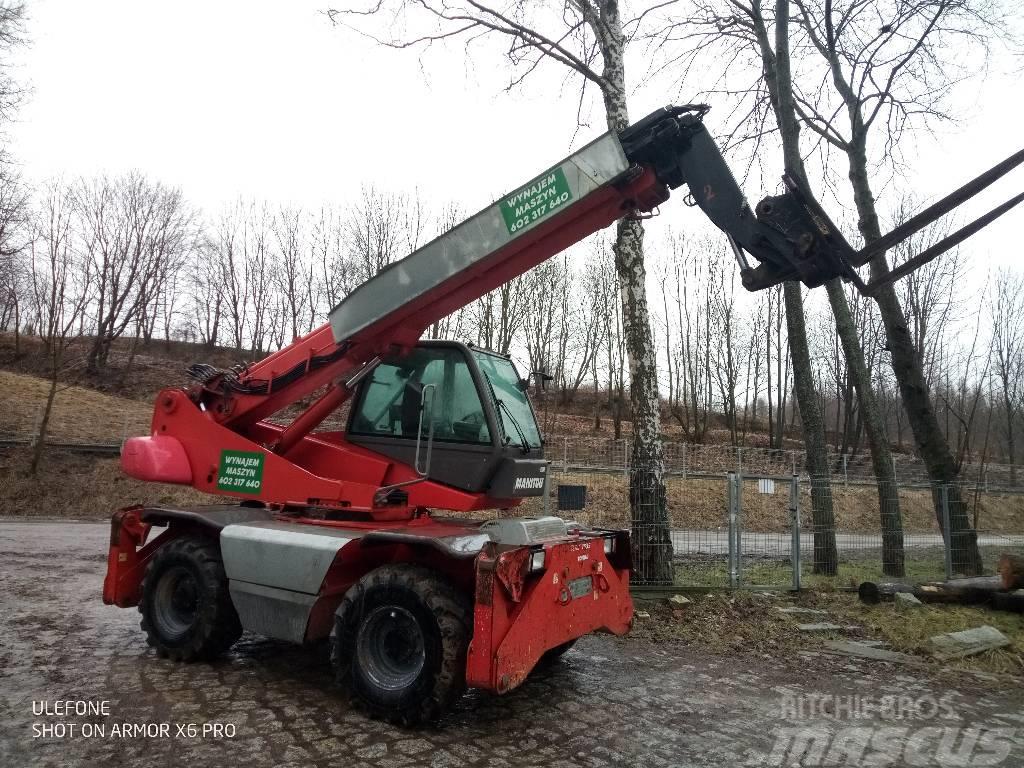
(542,378)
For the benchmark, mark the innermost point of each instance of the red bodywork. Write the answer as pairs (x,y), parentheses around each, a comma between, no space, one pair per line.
(191,427)
(517,614)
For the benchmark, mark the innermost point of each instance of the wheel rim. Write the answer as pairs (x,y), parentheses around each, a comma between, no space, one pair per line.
(390,647)
(176,603)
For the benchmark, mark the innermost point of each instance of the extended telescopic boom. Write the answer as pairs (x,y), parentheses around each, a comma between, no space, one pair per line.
(788,236)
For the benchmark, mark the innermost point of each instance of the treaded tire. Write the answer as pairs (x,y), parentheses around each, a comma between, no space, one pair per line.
(552,655)
(433,623)
(187,613)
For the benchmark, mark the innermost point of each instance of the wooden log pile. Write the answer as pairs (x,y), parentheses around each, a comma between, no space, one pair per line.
(1004,592)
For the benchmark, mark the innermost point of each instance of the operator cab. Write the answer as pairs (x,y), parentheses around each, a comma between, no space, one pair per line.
(469,404)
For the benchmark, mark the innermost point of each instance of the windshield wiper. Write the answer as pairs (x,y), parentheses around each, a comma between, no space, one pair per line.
(522,435)
(524,444)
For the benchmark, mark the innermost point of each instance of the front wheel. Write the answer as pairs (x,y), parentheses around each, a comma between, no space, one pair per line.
(399,643)
(186,608)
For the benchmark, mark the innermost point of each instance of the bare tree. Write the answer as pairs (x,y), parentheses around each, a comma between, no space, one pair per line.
(294,272)
(499,315)
(381,228)
(134,232)
(1007,316)
(892,66)
(12,36)
(327,252)
(690,396)
(227,250)
(589,37)
(60,292)
(726,365)
(205,291)
(258,277)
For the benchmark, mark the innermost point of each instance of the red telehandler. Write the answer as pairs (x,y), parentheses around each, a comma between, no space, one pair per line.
(333,536)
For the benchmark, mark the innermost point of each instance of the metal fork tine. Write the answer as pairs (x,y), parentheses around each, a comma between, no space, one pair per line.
(937,210)
(943,245)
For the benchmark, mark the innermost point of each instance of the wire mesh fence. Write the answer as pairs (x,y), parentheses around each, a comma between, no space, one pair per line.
(689,459)
(745,516)
(788,531)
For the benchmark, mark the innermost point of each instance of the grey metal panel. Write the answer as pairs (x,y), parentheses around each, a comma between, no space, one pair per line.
(520,531)
(275,613)
(470,242)
(460,547)
(288,556)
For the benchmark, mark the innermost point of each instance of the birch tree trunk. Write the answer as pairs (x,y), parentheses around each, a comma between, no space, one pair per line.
(652,544)
(577,35)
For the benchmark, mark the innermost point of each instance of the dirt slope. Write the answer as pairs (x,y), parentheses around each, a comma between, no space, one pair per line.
(79,414)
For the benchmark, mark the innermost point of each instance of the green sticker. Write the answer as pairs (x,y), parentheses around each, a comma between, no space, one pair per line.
(240,472)
(540,198)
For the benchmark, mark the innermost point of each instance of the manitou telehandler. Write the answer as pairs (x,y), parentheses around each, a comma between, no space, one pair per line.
(334,536)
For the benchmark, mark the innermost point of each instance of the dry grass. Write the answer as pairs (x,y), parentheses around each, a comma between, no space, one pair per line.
(79,487)
(909,631)
(747,623)
(737,623)
(79,414)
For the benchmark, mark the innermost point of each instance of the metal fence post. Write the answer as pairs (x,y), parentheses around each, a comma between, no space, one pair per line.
(565,453)
(547,487)
(739,529)
(947,536)
(794,519)
(845,473)
(734,571)
(684,462)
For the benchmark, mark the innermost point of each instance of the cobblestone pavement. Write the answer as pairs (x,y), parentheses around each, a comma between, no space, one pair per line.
(610,702)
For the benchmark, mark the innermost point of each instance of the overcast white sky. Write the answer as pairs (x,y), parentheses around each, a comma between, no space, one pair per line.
(269,100)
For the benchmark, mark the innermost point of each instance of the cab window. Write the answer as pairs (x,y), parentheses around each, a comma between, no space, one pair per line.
(389,404)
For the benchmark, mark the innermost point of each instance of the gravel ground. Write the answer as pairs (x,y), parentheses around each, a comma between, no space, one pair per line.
(610,702)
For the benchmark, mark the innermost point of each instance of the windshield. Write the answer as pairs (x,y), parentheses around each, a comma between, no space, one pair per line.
(513,406)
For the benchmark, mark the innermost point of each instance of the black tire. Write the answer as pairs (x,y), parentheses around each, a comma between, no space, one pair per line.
(186,609)
(399,643)
(552,655)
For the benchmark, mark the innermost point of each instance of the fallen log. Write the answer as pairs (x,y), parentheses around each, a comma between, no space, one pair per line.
(1011,570)
(973,591)
(1009,601)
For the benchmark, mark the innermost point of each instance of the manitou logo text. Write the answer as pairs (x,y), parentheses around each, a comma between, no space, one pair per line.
(529,483)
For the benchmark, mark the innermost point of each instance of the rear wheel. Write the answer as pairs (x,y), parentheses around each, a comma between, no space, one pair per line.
(399,643)
(186,608)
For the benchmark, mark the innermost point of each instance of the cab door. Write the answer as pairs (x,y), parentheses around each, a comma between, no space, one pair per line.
(445,378)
